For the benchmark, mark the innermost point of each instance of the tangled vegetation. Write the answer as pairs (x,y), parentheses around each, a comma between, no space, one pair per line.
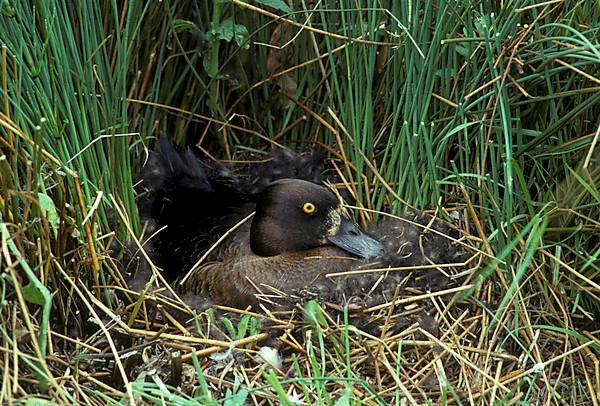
(483,112)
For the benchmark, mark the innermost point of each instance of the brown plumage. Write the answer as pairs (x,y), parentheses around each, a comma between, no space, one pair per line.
(245,279)
(286,254)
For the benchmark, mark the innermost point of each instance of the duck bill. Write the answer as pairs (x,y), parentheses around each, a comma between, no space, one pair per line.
(352,238)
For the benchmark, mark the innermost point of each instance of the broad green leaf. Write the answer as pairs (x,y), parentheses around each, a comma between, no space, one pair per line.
(228,325)
(238,399)
(243,326)
(33,294)
(49,211)
(227,31)
(344,400)
(276,4)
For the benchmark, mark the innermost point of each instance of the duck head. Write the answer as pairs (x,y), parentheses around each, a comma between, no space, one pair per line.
(295,215)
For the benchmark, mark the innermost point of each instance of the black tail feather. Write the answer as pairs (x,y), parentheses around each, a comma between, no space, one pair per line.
(196,201)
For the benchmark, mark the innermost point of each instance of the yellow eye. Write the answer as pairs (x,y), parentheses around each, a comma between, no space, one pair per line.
(309,208)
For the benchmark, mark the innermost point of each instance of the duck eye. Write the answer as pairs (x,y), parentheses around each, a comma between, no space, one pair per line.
(309,208)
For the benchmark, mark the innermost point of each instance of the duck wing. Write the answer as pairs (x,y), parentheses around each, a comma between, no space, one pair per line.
(194,201)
